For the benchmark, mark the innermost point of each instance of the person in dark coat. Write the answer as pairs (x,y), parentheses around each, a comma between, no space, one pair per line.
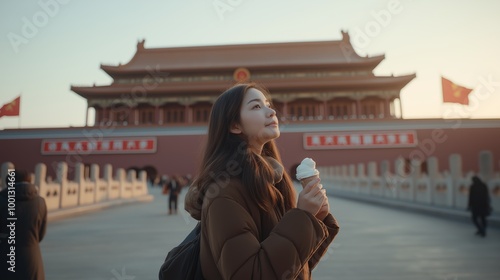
(173,189)
(31,213)
(479,205)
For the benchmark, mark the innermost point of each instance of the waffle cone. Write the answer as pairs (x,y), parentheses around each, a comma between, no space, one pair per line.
(306,181)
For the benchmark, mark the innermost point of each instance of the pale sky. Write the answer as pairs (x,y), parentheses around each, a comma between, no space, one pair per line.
(48,45)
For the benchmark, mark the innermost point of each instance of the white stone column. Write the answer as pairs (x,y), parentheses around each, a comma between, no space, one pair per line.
(62,179)
(5,170)
(40,179)
(80,180)
(387,184)
(433,172)
(108,177)
(94,178)
(486,165)
(415,174)
(132,180)
(353,179)
(456,173)
(120,177)
(399,175)
(373,183)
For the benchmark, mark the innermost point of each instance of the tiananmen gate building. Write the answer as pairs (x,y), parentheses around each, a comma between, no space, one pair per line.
(331,107)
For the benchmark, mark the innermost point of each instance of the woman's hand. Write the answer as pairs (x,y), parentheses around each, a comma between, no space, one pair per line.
(324,210)
(312,198)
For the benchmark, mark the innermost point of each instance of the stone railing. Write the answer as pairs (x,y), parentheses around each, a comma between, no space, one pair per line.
(448,189)
(63,193)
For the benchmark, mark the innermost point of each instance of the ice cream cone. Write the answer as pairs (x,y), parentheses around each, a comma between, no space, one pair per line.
(306,181)
(306,171)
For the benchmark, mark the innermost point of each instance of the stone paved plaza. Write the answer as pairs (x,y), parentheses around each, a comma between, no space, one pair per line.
(130,242)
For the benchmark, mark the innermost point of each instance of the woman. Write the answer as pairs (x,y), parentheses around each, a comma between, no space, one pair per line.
(251,225)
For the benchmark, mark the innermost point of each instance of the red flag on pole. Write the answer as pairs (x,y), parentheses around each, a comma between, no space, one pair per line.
(11,108)
(454,93)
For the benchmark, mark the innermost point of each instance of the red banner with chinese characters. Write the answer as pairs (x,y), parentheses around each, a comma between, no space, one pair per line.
(360,140)
(101,146)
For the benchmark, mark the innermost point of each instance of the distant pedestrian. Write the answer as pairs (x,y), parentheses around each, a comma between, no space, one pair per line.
(479,205)
(163,181)
(173,188)
(30,212)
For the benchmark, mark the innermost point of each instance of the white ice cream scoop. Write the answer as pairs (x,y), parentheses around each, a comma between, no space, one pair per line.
(306,171)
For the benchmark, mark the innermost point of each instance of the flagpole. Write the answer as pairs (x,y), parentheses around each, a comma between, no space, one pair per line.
(444,110)
(442,102)
(19,117)
(469,112)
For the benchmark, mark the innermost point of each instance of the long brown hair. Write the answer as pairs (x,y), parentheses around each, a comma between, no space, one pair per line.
(228,155)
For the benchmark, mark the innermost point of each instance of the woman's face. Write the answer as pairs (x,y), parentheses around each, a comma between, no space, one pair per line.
(257,120)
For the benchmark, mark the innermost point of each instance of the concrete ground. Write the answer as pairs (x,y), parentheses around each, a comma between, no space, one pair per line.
(131,242)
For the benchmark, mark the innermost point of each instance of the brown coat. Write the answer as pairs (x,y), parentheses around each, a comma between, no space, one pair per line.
(238,242)
(30,226)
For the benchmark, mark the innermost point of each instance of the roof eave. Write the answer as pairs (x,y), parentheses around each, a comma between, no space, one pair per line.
(394,83)
(368,64)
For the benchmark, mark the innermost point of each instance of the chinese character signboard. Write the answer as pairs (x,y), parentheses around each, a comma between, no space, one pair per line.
(128,145)
(360,140)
